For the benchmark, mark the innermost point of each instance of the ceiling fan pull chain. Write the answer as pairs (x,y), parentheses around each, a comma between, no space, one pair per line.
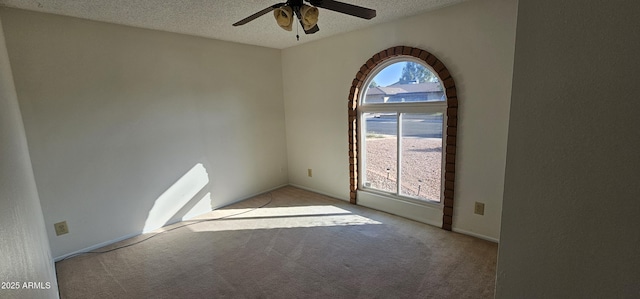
(297,31)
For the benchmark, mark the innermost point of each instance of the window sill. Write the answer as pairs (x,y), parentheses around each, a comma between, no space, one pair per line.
(423,202)
(421,211)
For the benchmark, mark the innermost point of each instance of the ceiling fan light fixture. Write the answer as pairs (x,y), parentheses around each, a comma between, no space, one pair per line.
(309,16)
(284,17)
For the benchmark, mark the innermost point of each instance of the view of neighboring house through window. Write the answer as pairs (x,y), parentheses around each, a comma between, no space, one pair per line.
(402,115)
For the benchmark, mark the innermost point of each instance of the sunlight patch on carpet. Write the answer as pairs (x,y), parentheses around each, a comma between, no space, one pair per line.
(282,217)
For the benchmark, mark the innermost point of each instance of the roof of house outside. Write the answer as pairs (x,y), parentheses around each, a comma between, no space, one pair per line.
(405,88)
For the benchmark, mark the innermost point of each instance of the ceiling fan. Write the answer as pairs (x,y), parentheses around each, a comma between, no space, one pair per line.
(308,14)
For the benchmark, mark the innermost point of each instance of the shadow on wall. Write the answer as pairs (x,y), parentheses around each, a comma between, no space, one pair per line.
(185,199)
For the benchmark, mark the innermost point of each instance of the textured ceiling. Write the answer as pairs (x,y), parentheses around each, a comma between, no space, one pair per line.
(213,18)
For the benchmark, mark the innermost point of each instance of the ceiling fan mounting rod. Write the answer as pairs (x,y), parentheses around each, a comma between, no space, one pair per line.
(295,3)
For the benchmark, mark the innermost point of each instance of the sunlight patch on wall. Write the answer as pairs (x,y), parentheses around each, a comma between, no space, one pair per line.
(178,196)
(202,206)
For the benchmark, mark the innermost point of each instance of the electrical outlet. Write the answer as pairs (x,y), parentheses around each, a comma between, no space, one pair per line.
(309,172)
(61,228)
(479,208)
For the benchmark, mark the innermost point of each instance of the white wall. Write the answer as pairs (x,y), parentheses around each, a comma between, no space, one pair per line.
(126,124)
(570,215)
(25,255)
(475,40)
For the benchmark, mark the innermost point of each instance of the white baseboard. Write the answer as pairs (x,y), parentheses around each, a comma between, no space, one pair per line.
(460,231)
(103,244)
(479,236)
(319,192)
(106,243)
(250,196)
(96,246)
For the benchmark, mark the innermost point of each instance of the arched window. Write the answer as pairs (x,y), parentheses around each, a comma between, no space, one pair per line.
(402,130)
(402,112)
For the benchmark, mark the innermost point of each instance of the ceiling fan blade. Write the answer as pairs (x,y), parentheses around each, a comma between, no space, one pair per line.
(350,9)
(258,14)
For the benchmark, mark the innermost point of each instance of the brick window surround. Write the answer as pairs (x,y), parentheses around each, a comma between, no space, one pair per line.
(452,120)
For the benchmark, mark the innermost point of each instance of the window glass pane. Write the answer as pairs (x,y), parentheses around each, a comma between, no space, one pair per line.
(404,82)
(421,158)
(380,141)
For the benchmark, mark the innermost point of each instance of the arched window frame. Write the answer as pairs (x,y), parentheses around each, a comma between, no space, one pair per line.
(358,86)
(401,108)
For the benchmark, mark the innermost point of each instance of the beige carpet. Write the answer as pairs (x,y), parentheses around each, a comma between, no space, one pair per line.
(300,245)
